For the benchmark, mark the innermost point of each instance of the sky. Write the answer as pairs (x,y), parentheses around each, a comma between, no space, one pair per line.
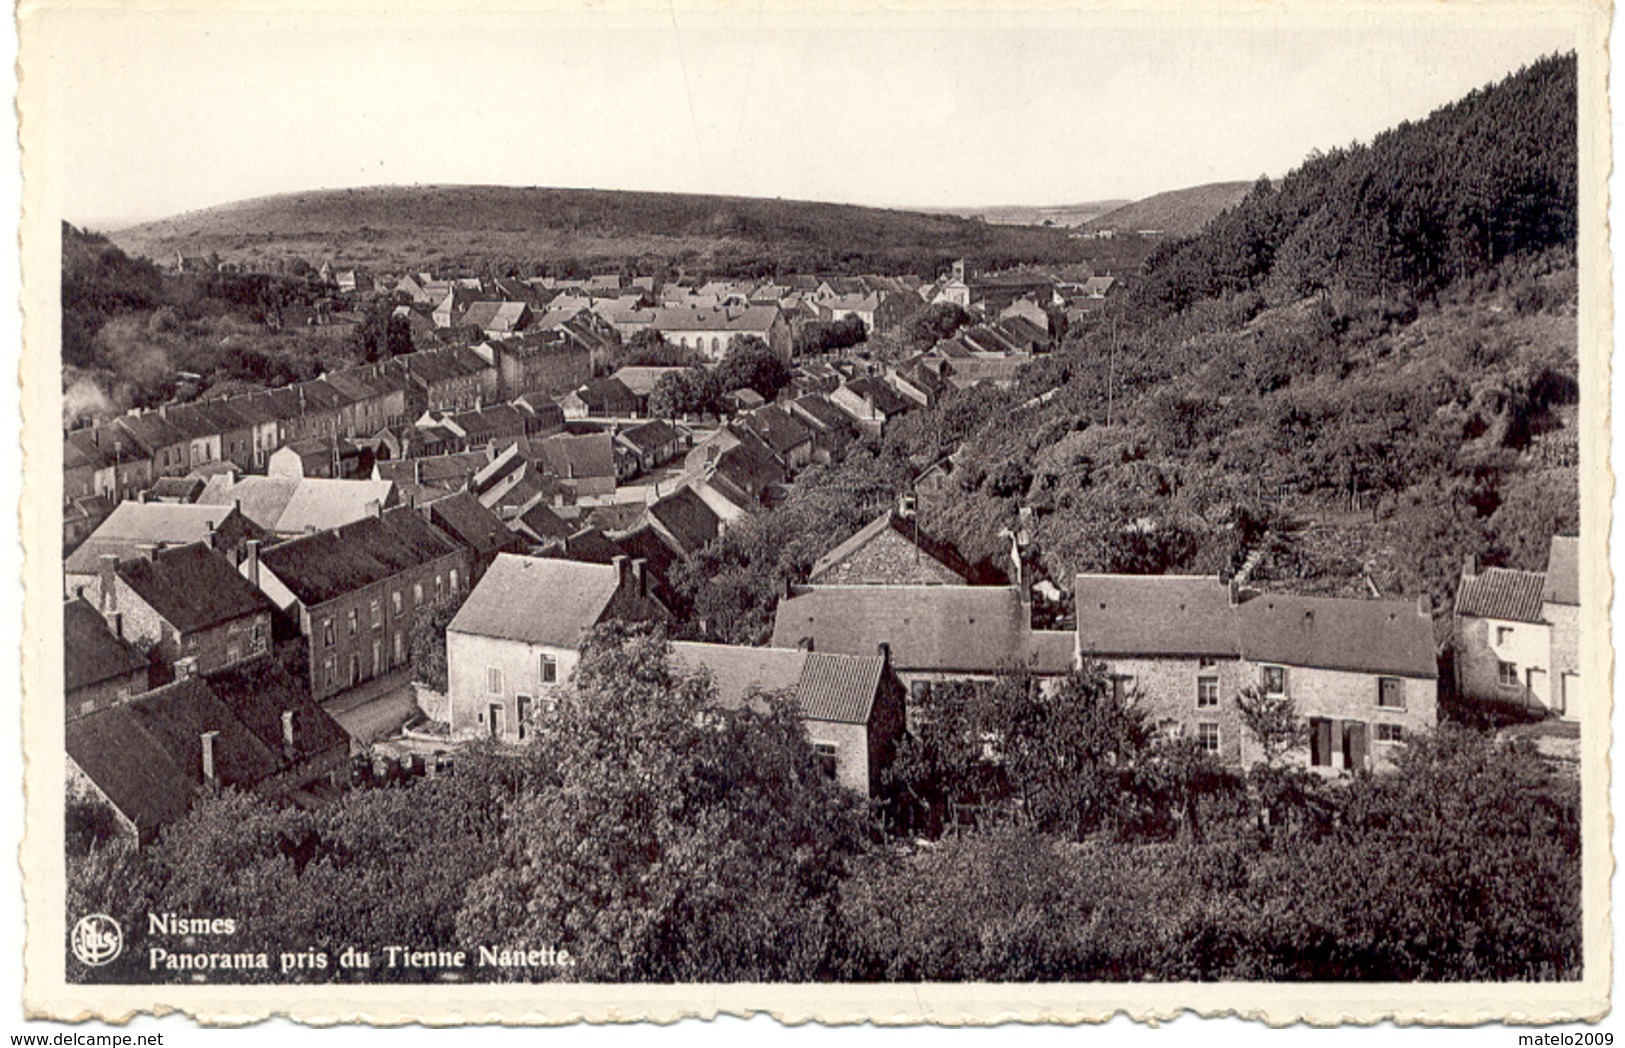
(164,112)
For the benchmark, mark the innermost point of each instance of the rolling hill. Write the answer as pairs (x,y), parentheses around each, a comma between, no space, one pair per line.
(1177,213)
(1036,215)
(420,226)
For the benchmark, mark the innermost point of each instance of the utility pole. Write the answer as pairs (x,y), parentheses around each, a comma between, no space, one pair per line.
(1111,370)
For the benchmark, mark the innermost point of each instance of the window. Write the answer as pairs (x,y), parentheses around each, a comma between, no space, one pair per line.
(1390,693)
(327,633)
(824,756)
(1207,693)
(330,671)
(1171,729)
(1390,733)
(1503,634)
(493,680)
(1207,736)
(1122,686)
(548,669)
(439,587)
(523,715)
(1274,680)
(1508,675)
(259,635)
(1206,663)
(377,612)
(454,580)
(353,619)
(396,602)
(417,594)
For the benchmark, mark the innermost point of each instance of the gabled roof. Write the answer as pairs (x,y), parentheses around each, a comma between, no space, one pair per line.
(605,393)
(1563,571)
(310,503)
(538,600)
(642,380)
(497,420)
(92,652)
(192,587)
(150,430)
(259,691)
(885,399)
(496,316)
(1184,615)
(1502,593)
(779,429)
(838,688)
(541,523)
(943,553)
(721,319)
(327,564)
(821,413)
(463,518)
(572,457)
(136,527)
(953,629)
(749,467)
(650,436)
(687,519)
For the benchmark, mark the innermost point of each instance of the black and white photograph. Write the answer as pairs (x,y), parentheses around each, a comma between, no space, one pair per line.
(931,515)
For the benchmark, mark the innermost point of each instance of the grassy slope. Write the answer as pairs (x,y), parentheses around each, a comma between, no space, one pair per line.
(400,225)
(1180,212)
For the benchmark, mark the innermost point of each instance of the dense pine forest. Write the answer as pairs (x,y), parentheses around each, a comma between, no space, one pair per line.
(1347,382)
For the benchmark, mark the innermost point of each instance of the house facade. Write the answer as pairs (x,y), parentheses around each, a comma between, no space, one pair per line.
(1516,636)
(1362,674)
(518,637)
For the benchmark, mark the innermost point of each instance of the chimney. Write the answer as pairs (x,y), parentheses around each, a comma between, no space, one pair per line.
(108,574)
(251,562)
(804,644)
(906,505)
(208,738)
(163,410)
(186,668)
(1424,606)
(287,728)
(1469,565)
(116,621)
(884,651)
(619,562)
(374,508)
(143,498)
(640,577)
(1234,591)
(211,535)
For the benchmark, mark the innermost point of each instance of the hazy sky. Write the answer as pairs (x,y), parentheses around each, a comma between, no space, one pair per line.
(164,112)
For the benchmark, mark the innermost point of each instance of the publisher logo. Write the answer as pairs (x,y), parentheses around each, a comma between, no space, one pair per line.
(97,939)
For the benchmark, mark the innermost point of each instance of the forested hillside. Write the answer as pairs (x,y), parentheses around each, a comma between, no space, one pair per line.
(530,229)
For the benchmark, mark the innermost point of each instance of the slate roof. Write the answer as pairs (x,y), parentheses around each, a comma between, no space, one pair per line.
(260,690)
(1563,571)
(955,629)
(1502,593)
(650,436)
(823,414)
(687,519)
(294,505)
(538,600)
(642,380)
(92,652)
(192,587)
(463,518)
(150,430)
(746,319)
(885,399)
(826,687)
(328,564)
(496,316)
(433,470)
(778,428)
(606,394)
(1185,615)
(176,489)
(943,553)
(575,457)
(487,423)
(541,523)
(135,527)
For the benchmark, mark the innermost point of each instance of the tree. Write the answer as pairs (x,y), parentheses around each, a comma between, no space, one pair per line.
(684,841)
(750,363)
(429,643)
(693,391)
(649,348)
(1272,721)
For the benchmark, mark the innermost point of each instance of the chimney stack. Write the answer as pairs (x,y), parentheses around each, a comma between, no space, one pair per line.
(619,562)
(1469,565)
(883,649)
(108,576)
(208,738)
(287,728)
(375,508)
(640,577)
(116,621)
(251,562)
(186,668)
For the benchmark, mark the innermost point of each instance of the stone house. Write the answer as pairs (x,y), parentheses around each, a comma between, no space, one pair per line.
(135,529)
(100,667)
(518,637)
(1517,633)
(252,728)
(1362,673)
(850,705)
(356,590)
(188,603)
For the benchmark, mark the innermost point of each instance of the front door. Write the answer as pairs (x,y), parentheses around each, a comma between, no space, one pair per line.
(1535,680)
(1354,745)
(496,720)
